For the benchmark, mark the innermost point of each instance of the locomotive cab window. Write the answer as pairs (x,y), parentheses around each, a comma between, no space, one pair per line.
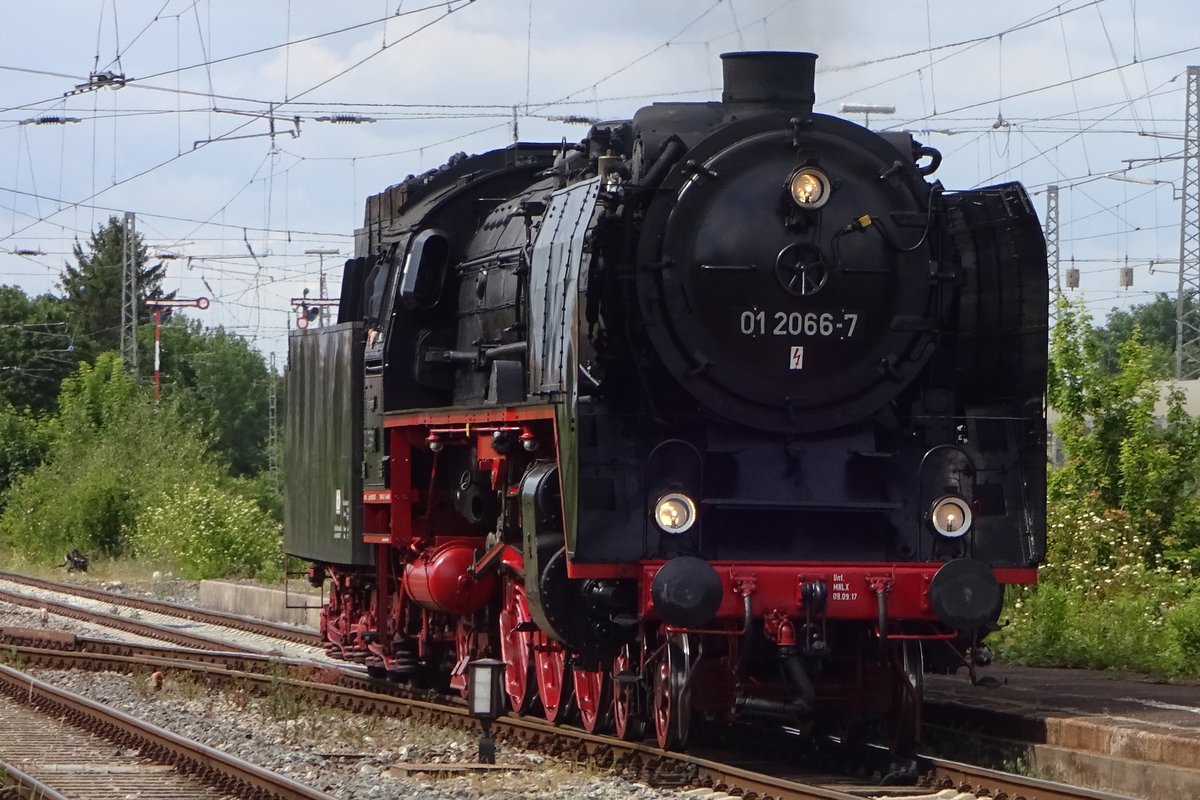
(425,269)
(374,288)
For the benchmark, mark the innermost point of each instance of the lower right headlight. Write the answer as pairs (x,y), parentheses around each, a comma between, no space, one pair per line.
(950,516)
(675,512)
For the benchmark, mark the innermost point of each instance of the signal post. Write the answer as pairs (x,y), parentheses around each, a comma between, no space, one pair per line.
(158,305)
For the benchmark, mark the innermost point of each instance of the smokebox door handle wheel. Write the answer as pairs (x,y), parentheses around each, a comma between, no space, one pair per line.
(672,693)
(516,645)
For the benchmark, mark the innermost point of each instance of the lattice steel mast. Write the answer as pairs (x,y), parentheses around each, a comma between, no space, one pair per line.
(1051,231)
(129,293)
(1187,321)
(272,411)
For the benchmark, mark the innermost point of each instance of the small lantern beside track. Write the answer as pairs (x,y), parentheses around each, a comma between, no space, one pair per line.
(485,699)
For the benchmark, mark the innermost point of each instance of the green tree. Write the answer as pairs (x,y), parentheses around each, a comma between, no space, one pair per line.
(1118,587)
(37,349)
(222,384)
(24,443)
(1157,322)
(123,476)
(92,287)
(1119,451)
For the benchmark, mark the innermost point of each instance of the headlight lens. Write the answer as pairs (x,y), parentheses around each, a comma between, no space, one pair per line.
(809,187)
(675,512)
(951,517)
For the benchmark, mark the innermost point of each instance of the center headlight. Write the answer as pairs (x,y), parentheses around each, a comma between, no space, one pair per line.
(951,517)
(809,188)
(675,512)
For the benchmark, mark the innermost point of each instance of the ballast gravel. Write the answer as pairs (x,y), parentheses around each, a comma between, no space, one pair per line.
(350,756)
(346,755)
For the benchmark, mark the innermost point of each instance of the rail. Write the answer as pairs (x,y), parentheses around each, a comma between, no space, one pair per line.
(276,630)
(641,760)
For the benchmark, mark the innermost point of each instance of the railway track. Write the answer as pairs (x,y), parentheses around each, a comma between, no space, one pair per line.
(66,750)
(117,622)
(728,774)
(259,627)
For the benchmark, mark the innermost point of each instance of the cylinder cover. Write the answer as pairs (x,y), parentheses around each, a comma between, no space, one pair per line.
(438,580)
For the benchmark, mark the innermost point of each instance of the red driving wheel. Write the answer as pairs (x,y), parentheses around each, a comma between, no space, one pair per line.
(672,701)
(516,645)
(627,722)
(465,647)
(590,697)
(550,665)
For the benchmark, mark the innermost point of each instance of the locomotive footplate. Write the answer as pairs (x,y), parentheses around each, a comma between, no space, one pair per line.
(851,592)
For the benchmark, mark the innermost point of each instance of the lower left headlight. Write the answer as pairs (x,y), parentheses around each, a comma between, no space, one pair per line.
(950,516)
(675,512)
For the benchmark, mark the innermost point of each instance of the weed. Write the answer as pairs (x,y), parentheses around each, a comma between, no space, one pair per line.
(283,700)
(239,698)
(186,686)
(139,683)
(352,731)
(11,658)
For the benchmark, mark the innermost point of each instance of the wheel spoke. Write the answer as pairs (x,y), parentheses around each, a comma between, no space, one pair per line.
(515,646)
(465,649)
(550,664)
(590,691)
(626,711)
(672,703)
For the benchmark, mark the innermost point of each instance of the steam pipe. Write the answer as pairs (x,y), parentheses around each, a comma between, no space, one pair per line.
(500,351)
(672,150)
(747,635)
(793,670)
(794,710)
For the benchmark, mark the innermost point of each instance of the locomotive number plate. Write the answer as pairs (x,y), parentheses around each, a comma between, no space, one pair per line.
(819,324)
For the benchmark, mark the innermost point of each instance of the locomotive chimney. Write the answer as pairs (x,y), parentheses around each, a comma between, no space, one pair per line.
(756,82)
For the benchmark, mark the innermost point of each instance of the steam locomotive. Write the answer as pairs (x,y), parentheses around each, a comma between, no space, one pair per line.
(726,413)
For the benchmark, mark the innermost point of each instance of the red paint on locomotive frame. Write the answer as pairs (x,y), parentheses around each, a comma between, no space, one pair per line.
(850,588)
(410,429)
(1016,574)
(450,416)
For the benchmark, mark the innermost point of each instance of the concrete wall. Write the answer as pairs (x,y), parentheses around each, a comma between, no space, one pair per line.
(266,603)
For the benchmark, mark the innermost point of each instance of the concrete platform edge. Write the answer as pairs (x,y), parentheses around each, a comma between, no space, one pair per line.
(257,601)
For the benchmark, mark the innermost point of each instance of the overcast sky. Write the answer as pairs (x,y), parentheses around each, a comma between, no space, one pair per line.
(1041,92)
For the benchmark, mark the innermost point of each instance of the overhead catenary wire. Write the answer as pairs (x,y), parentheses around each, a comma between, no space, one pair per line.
(1035,139)
(448,12)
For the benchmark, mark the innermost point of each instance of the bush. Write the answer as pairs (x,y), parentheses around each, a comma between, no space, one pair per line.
(1105,599)
(210,532)
(1184,624)
(126,476)
(1117,589)
(24,442)
(89,502)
